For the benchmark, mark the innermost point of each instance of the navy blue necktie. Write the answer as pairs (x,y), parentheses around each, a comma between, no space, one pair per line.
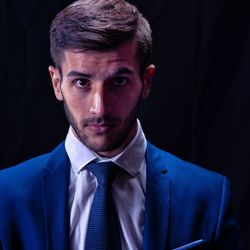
(103,231)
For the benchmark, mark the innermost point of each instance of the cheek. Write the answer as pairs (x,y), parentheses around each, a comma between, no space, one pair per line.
(76,104)
(134,95)
(127,103)
(131,93)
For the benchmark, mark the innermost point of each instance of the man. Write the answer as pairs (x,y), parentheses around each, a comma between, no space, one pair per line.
(101,50)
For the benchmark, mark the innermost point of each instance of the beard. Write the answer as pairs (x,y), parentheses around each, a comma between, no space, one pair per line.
(107,141)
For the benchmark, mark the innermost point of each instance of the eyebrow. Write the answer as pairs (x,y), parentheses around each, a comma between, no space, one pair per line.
(78,74)
(121,70)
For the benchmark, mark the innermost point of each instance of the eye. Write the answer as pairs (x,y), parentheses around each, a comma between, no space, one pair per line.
(82,83)
(120,81)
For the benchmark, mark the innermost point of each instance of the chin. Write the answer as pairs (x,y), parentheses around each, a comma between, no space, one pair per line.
(105,145)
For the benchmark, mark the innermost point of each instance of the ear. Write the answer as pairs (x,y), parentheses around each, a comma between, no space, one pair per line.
(56,82)
(147,80)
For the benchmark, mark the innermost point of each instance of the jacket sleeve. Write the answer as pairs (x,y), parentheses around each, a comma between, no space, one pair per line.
(227,235)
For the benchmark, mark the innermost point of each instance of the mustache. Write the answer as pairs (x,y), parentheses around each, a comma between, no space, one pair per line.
(100,120)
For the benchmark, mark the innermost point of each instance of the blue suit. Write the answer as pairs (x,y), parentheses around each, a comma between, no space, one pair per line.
(187,207)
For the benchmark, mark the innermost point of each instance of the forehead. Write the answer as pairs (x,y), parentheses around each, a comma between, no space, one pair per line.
(124,55)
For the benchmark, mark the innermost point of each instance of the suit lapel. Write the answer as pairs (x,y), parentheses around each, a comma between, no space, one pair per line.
(157,202)
(55,184)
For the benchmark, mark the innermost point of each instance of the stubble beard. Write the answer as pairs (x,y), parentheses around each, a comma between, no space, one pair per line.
(114,139)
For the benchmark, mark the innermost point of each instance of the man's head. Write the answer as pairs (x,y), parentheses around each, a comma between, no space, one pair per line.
(100,25)
(101,52)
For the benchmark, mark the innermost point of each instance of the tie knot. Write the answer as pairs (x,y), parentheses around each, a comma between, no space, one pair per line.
(104,171)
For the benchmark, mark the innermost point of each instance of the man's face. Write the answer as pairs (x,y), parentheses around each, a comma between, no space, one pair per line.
(101,92)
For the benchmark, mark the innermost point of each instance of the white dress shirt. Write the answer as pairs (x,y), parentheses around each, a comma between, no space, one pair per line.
(128,190)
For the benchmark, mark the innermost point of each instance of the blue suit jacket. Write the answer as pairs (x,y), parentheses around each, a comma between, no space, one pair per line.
(187,207)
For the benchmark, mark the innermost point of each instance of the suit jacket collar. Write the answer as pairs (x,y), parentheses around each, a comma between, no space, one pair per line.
(55,183)
(157,201)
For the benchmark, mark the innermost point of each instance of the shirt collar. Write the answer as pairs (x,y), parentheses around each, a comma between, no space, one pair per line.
(130,159)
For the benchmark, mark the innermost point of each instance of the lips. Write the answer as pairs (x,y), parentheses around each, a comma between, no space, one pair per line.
(99,128)
(100,125)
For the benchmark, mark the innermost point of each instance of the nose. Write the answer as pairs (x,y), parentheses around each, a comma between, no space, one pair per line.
(97,106)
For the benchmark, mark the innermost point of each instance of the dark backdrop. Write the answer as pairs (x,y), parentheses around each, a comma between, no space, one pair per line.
(199,105)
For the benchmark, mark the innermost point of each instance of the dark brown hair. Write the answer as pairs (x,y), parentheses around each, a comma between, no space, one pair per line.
(99,25)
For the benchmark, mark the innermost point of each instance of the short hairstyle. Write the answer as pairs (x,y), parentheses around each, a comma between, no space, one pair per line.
(100,25)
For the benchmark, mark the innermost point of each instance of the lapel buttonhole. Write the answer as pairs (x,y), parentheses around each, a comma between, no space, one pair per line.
(164,171)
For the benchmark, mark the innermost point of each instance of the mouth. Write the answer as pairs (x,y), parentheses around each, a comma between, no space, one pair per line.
(99,127)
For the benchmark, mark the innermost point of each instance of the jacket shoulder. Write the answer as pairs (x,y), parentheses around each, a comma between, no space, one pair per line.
(183,172)
(32,169)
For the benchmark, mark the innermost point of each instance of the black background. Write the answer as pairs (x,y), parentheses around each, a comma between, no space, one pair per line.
(199,105)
